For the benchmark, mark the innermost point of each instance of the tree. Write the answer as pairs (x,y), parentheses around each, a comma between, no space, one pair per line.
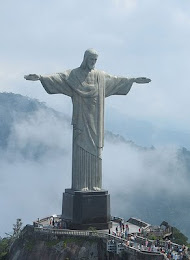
(179,238)
(17,228)
(4,248)
(6,242)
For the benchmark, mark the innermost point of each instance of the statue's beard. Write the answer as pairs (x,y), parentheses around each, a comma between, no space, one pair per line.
(91,67)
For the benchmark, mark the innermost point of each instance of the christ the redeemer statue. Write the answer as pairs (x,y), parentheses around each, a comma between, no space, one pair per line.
(88,89)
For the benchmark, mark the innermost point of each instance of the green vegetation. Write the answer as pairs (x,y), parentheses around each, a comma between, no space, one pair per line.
(77,240)
(4,248)
(29,245)
(64,245)
(92,229)
(179,238)
(16,230)
(52,243)
(152,237)
(7,241)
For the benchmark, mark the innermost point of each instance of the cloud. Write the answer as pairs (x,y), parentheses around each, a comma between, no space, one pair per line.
(124,5)
(36,168)
(147,184)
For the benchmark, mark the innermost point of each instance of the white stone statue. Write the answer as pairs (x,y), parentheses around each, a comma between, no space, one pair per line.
(87,88)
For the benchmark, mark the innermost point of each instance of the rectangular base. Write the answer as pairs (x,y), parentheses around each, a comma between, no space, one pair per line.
(84,209)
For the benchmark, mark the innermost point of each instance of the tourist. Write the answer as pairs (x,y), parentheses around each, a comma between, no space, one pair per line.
(169,245)
(116,229)
(146,243)
(51,221)
(154,249)
(123,227)
(120,224)
(126,233)
(157,242)
(127,229)
(132,237)
(58,224)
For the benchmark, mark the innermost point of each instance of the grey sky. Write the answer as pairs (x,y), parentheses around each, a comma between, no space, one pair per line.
(133,37)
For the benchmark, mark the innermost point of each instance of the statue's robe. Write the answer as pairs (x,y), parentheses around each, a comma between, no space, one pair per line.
(88,92)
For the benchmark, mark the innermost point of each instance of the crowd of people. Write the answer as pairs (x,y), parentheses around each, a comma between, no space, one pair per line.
(137,241)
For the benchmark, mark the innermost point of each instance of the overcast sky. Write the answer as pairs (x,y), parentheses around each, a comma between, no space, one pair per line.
(133,38)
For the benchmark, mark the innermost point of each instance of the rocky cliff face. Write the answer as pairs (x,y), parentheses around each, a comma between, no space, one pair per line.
(37,245)
(57,249)
(70,249)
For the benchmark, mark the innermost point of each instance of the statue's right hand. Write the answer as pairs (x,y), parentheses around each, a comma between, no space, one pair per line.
(32,77)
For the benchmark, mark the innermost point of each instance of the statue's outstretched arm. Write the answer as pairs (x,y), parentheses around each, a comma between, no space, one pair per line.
(32,77)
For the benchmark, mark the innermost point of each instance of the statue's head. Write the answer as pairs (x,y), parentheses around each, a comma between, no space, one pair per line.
(90,58)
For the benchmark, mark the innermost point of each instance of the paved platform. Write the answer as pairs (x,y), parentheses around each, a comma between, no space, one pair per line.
(47,222)
(132,228)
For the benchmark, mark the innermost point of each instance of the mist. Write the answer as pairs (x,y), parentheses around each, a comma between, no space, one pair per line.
(147,183)
(35,168)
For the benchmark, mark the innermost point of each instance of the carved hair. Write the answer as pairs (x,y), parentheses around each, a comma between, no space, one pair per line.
(88,52)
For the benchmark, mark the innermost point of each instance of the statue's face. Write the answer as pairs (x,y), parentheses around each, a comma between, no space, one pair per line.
(91,61)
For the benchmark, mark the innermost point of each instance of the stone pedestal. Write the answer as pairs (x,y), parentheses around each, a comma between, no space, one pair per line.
(84,209)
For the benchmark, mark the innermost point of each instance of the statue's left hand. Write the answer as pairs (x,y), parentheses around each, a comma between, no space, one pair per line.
(142,80)
(32,77)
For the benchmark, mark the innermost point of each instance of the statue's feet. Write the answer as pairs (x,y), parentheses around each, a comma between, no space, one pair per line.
(96,188)
(84,189)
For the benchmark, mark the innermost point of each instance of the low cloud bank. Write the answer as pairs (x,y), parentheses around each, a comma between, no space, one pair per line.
(151,184)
